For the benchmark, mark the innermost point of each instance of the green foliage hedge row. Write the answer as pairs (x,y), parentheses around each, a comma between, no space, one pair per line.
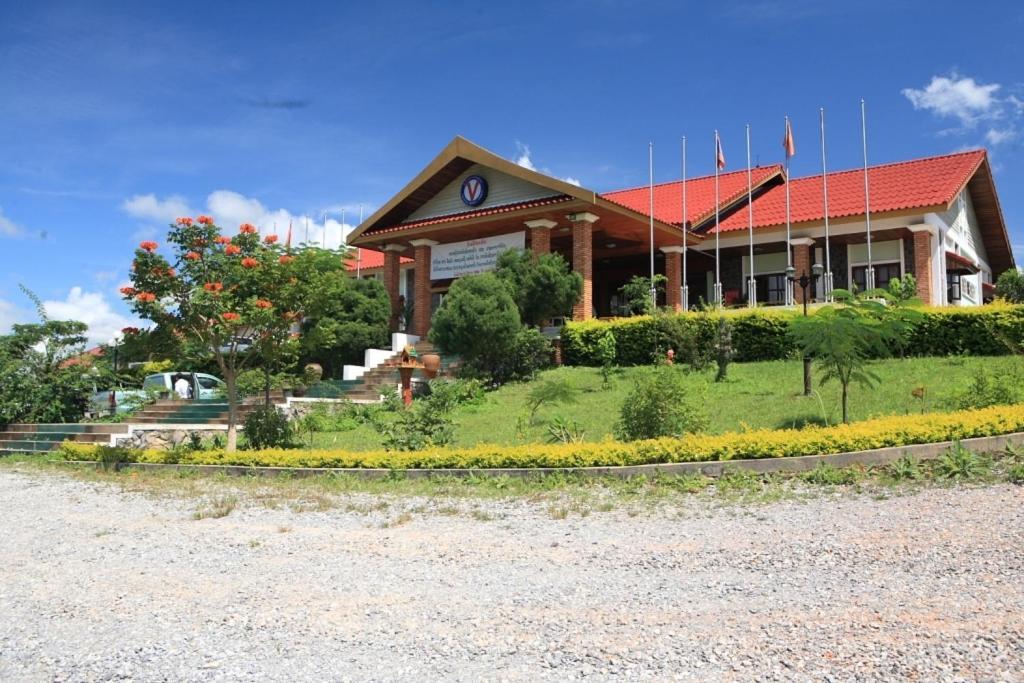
(893,431)
(764,334)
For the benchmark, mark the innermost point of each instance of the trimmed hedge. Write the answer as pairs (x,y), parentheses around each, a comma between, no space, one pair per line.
(764,334)
(895,431)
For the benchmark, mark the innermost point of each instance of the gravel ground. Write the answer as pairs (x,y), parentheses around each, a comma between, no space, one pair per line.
(100,584)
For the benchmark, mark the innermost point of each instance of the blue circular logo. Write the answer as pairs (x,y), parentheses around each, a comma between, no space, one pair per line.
(474,190)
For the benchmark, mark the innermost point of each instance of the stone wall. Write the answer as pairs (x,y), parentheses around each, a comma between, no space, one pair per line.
(167,438)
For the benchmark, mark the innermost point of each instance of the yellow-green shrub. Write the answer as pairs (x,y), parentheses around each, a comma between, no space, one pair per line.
(882,432)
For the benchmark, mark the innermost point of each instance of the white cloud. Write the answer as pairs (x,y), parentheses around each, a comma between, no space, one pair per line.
(958,97)
(524,159)
(230,209)
(93,309)
(11,314)
(523,156)
(996,136)
(149,207)
(9,228)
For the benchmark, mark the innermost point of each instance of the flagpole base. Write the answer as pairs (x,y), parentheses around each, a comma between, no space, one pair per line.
(685,297)
(752,293)
(717,295)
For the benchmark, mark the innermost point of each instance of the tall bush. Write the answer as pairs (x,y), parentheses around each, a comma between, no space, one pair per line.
(543,287)
(660,404)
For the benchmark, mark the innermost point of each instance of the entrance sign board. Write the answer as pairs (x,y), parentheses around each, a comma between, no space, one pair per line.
(472,256)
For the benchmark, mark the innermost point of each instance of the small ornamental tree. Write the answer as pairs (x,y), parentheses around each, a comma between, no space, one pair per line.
(1010,286)
(231,294)
(543,287)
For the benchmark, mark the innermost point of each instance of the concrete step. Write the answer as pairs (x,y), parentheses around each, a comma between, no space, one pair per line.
(56,437)
(82,428)
(28,446)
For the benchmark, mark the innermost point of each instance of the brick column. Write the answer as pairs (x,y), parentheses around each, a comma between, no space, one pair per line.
(923,262)
(583,261)
(802,265)
(674,277)
(421,305)
(540,235)
(391,280)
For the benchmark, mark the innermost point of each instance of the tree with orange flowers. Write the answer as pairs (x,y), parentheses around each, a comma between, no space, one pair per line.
(238,296)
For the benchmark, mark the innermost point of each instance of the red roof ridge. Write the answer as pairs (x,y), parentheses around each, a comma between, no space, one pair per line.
(677,181)
(980,152)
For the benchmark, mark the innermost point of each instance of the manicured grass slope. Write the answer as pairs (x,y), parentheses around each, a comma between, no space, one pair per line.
(756,395)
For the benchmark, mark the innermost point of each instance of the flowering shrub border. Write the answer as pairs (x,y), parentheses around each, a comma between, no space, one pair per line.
(885,432)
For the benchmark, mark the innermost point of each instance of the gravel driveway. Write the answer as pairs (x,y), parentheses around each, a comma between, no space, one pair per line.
(99,584)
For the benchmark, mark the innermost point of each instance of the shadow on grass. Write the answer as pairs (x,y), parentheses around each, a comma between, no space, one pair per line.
(801,421)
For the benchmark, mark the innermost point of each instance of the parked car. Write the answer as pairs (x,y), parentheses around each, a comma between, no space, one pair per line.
(200,385)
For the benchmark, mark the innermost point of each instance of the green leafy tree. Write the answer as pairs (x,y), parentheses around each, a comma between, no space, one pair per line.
(1010,286)
(902,290)
(232,296)
(844,338)
(543,287)
(478,321)
(344,315)
(42,375)
(636,294)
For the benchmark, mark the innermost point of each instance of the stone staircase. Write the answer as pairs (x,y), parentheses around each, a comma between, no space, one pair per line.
(380,379)
(41,438)
(199,412)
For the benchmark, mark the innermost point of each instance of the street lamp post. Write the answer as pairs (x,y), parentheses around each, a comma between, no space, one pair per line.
(804,281)
(115,342)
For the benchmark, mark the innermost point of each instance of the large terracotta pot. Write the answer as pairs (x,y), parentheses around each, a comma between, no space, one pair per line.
(431,364)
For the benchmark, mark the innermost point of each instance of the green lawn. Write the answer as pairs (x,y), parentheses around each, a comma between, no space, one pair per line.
(756,395)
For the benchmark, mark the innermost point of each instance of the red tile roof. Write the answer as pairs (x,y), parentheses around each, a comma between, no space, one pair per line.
(490,211)
(931,181)
(700,195)
(369,259)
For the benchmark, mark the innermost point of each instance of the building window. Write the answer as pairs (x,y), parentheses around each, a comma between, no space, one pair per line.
(771,288)
(884,272)
(952,287)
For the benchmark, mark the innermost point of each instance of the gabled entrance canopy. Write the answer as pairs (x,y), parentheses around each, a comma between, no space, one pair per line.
(430,207)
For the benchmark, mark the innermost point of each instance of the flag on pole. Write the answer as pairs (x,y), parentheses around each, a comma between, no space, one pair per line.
(787,141)
(719,154)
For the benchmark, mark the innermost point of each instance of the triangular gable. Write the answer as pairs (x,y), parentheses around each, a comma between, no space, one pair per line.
(431,190)
(502,190)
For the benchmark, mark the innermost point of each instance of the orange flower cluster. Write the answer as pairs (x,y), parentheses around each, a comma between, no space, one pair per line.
(222,239)
(213,287)
(148,246)
(192,256)
(270,239)
(205,220)
(231,317)
(249,262)
(286,259)
(263,303)
(232,249)
(128,291)
(145,297)
(130,330)
(198,243)
(170,272)
(185,220)
(247,228)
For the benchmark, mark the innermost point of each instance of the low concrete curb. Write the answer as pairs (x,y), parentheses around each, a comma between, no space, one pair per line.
(880,456)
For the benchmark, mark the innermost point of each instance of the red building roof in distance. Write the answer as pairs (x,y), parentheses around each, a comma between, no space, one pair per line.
(369,259)
(700,195)
(919,183)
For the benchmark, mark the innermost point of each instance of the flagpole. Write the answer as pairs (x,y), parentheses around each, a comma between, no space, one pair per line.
(718,280)
(323,239)
(359,252)
(306,218)
(751,283)
(789,250)
(650,197)
(824,193)
(869,276)
(686,288)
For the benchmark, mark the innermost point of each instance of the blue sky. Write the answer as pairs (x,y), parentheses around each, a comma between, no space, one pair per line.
(116,117)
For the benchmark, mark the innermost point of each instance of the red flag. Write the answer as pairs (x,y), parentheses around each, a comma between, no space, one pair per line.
(288,242)
(719,154)
(787,141)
